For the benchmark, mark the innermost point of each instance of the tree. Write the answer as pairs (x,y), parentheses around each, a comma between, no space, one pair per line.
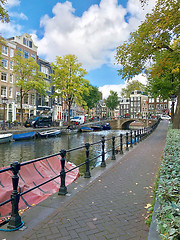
(28,78)
(131,86)
(153,36)
(112,101)
(92,97)
(3,13)
(68,80)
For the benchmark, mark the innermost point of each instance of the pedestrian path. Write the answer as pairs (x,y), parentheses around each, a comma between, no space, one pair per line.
(110,205)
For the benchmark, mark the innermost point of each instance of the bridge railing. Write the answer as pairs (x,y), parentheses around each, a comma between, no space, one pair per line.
(119,144)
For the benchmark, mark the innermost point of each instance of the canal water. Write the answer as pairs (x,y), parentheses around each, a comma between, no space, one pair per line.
(31,149)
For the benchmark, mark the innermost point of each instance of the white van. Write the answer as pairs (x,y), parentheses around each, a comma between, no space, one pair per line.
(78,119)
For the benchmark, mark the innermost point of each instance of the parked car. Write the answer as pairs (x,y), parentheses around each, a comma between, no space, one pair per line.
(78,119)
(165,117)
(42,121)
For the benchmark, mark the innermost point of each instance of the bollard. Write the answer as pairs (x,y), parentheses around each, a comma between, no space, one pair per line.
(15,219)
(135,142)
(103,163)
(113,149)
(87,174)
(127,148)
(121,144)
(63,188)
(131,143)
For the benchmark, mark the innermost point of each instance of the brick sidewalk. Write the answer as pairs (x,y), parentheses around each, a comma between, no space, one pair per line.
(112,205)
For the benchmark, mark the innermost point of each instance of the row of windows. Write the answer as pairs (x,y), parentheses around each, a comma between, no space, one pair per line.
(4,77)
(4,91)
(28,99)
(5,51)
(5,64)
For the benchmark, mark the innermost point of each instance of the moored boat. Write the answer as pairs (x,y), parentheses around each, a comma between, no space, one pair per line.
(23,136)
(34,174)
(97,127)
(106,126)
(6,137)
(86,129)
(49,133)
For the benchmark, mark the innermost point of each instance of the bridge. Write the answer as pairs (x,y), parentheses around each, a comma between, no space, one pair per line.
(123,123)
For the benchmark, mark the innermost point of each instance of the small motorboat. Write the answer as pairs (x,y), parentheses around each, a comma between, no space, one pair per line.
(86,129)
(23,136)
(6,137)
(49,133)
(97,127)
(106,126)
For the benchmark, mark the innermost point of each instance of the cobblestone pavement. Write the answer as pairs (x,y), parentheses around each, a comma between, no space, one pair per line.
(113,205)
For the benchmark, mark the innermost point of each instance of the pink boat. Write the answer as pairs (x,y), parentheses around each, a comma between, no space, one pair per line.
(31,175)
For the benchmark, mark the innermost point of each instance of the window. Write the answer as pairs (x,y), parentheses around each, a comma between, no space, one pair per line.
(44,70)
(26,99)
(157,99)
(10,92)
(3,91)
(4,77)
(18,97)
(40,101)
(27,42)
(11,65)
(11,78)
(4,63)
(33,56)
(165,106)
(11,52)
(32,99)
(4,50)
(46,101)
(157,106)
(26,54)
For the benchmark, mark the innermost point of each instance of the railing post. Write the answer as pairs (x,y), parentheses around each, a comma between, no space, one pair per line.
(113,148)
(103,163)
(135,142)
(121,144)
(127,148)
(63,188)
(87,174)
(131,143)
(15,220)
(140,135)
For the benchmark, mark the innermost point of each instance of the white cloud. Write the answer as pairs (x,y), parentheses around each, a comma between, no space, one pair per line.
(18,15)
(117,88)
(91,37)
(10,29)
(12,3)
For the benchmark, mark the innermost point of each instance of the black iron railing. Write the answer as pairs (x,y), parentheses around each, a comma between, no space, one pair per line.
(119,144)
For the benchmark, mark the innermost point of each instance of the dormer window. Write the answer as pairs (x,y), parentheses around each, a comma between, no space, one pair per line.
(27,42)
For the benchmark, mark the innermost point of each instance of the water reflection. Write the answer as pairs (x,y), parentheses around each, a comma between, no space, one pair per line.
(31,149)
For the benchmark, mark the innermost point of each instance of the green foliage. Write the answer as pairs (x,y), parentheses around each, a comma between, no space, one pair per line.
(131,86)
(3,13)
(112,100)
(28,77)
(159,32)
(168,214)
(68,80)
(92,97)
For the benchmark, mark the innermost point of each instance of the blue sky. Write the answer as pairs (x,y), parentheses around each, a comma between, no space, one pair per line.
(90,29)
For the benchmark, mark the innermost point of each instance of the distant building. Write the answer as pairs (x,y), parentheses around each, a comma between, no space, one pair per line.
(124,107)
(138,107)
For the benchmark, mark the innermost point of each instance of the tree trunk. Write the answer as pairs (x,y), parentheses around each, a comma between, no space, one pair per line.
(176,120)
(69,109)
(21,108)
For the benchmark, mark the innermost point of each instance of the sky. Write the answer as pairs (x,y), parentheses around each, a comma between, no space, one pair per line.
(90,29)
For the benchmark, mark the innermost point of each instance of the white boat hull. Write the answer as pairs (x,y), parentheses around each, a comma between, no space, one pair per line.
(4,138)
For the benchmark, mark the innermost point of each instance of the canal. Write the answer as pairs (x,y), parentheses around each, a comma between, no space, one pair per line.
(30,149)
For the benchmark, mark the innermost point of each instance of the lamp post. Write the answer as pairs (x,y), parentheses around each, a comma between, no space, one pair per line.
(4,101)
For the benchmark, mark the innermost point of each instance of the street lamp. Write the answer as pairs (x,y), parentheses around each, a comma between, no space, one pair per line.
(4,101)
